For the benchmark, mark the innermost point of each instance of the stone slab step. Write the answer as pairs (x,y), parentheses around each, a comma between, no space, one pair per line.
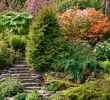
(19,72)
(25,77)
(20,69)
(31,84)
(33,87)
(20,65)
(28,80)
(20,61)
(43,93)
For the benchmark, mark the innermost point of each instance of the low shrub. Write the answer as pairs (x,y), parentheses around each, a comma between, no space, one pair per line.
(5,55)
(17,42)
(20,96)
(10,87)
(17,23)
(94,90)
(80,64)
(102,50)
(89,25)
(33,95)
(106,65)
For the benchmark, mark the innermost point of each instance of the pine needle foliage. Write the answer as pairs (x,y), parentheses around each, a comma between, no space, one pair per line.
(45,45)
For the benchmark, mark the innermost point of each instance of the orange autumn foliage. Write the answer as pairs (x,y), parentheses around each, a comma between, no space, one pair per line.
(89,24)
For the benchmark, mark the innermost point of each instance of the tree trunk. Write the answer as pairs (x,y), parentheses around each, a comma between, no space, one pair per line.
(106,7)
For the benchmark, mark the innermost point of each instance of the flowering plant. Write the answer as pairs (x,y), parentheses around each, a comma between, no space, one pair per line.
(88,24)
(102,50)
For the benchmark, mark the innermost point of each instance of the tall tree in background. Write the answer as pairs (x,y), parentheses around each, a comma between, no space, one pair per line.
(33,6)
(14,5)
(106,7)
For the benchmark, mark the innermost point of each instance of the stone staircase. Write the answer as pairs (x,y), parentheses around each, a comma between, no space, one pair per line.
(30,79)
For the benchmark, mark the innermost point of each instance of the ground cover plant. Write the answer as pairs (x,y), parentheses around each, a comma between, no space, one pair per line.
(33,95)
(10,87)
(20,96)
(88,91)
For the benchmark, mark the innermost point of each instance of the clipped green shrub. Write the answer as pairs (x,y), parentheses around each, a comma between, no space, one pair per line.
(33,95)
(45,45)
(20,96)
(17,42)
(10,87)
(17,23)
(94,90)
(5,56)
(106,65)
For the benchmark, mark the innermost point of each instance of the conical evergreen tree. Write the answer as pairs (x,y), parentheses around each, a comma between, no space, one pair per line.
(45,46)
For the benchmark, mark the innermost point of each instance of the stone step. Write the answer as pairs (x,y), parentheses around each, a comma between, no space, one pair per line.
(37,76)
(3,71)
(20,72)
(24,74)
(21,78)
(33,87)
(20,61)
(28,80)
(15,75)
(4,75)
(1,80)
(27,91)
(43,93)
(32,80)
(31,84)
(20,69)
(20,65)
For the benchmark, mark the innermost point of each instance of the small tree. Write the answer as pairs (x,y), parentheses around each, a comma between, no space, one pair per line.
(45,45)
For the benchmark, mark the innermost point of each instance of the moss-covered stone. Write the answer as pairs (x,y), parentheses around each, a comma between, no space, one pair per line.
(94,90)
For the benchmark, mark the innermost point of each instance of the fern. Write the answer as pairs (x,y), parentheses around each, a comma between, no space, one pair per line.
(78,62)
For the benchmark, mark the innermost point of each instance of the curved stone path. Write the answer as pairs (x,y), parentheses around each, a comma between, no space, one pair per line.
(29,78)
